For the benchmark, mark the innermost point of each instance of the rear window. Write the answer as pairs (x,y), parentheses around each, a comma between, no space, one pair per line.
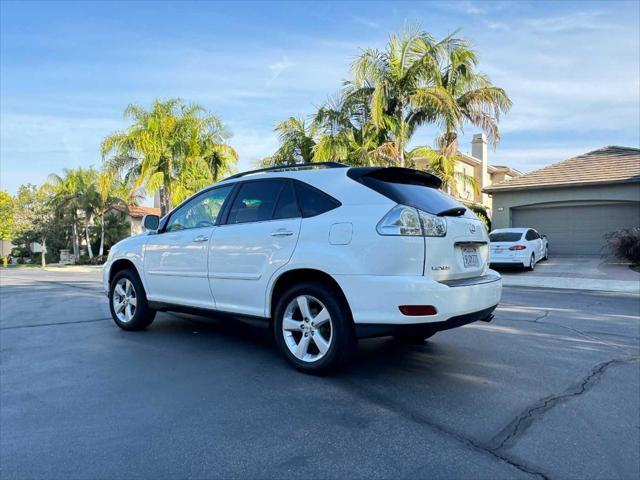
(410,187)
(505,236)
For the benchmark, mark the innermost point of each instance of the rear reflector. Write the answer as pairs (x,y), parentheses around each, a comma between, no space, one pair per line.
(517,247)
(417,310)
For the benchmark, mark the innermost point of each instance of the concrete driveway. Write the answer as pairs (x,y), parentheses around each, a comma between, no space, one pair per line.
(548,390)
(582,272)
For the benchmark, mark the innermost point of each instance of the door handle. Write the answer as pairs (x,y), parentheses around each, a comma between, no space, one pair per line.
(201,238)
(281,232)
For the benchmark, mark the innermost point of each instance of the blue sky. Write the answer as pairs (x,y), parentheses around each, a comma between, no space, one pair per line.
(69,69)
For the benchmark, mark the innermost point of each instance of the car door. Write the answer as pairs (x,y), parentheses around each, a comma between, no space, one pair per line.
(176,258)
(539,244)
(257,237)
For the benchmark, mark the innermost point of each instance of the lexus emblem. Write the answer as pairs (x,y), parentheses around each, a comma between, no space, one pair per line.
(472,228)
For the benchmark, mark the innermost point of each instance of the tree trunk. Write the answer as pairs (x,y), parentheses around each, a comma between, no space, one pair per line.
(74,241)
(101,251)
(165,203)
(43,260)
(88,239)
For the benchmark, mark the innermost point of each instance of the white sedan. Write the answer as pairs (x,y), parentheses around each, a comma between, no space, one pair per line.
(522,247)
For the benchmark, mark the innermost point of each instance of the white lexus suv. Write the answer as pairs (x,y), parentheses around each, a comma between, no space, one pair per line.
(324,254)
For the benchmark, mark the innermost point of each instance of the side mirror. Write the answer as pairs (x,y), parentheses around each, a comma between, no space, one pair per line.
(151,222)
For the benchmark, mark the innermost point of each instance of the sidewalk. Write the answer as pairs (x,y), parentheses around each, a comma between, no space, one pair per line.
(577,273)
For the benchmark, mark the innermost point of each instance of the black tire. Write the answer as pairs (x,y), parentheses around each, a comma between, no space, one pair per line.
(532,263)
(142,315)
(419,338)
(546,254)
(342,339)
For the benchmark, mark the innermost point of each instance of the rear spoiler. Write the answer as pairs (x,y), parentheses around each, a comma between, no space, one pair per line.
(395,175)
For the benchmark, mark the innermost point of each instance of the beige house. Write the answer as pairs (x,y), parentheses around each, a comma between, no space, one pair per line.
(575,202)
(134,215)
(477,165)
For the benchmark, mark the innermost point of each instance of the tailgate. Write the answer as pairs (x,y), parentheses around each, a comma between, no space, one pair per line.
(462,253)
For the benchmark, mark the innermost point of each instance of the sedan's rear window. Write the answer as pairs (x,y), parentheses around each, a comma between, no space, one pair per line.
(505,236)
(409,187)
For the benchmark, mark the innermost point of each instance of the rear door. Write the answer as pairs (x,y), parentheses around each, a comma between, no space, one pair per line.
(256,239)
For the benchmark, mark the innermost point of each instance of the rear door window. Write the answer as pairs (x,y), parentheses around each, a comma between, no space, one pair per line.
(287,206)
(255,201)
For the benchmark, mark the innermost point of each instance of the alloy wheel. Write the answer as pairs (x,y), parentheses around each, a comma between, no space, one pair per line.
(125,300)
(307,328)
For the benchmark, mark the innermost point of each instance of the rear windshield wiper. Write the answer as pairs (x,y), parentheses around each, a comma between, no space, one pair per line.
(452,212)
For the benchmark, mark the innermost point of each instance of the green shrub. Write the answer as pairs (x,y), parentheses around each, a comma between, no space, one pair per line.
(624,244)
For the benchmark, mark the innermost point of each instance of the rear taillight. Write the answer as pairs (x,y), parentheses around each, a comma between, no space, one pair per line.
(409,221)
(518,247)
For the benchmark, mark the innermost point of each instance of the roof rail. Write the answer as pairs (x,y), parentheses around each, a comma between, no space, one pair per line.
(284,168)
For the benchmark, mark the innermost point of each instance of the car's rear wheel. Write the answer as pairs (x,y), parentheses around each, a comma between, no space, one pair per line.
(313,328)
(546,253)
(128,302)
(532,263)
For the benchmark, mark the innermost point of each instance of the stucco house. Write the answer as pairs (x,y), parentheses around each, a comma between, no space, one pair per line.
(134,215)
(574,202)
(477,165)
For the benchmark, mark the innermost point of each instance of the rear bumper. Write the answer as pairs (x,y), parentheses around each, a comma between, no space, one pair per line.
(369,330)
(375,299)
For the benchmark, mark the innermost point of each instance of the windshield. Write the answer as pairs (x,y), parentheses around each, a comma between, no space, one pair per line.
(505,236)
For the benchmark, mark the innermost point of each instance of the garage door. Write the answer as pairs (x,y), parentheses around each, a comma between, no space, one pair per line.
(577,230)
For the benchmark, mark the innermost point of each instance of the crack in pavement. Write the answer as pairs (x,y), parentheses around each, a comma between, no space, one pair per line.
(372,396)
(509,435)
(540,317)
(52,324)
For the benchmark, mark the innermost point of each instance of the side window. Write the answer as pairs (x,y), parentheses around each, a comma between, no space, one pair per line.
(287,206)
(255,201)
(312,201)
(202,211)
(530,235)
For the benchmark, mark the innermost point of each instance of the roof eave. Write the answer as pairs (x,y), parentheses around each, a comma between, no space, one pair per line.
(508,188)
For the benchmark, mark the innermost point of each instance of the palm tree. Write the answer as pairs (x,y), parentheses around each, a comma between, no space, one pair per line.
(296,143)
(403,88)
(478,101)
(65,198)
(75,192)
(444,167)
(111,191)
(172,148)
(346,133)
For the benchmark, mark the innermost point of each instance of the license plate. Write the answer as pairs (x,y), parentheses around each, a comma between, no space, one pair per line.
(470,258)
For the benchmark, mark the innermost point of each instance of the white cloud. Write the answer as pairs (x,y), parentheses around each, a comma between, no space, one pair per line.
(568,23)
(499,26)
(277,68)
(366,22)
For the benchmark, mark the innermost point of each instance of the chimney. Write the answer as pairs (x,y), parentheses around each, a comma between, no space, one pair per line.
(479,151)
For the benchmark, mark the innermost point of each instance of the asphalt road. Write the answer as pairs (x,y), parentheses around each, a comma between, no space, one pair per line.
(549,389)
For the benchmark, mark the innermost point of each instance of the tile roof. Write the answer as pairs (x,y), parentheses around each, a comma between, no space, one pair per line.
(138,212)
(610,164)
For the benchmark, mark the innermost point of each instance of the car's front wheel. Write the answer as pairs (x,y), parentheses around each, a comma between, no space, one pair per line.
(313,328)
(128,302)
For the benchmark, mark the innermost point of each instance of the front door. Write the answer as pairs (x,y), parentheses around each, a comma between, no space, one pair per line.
(175,259)
(257,238)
